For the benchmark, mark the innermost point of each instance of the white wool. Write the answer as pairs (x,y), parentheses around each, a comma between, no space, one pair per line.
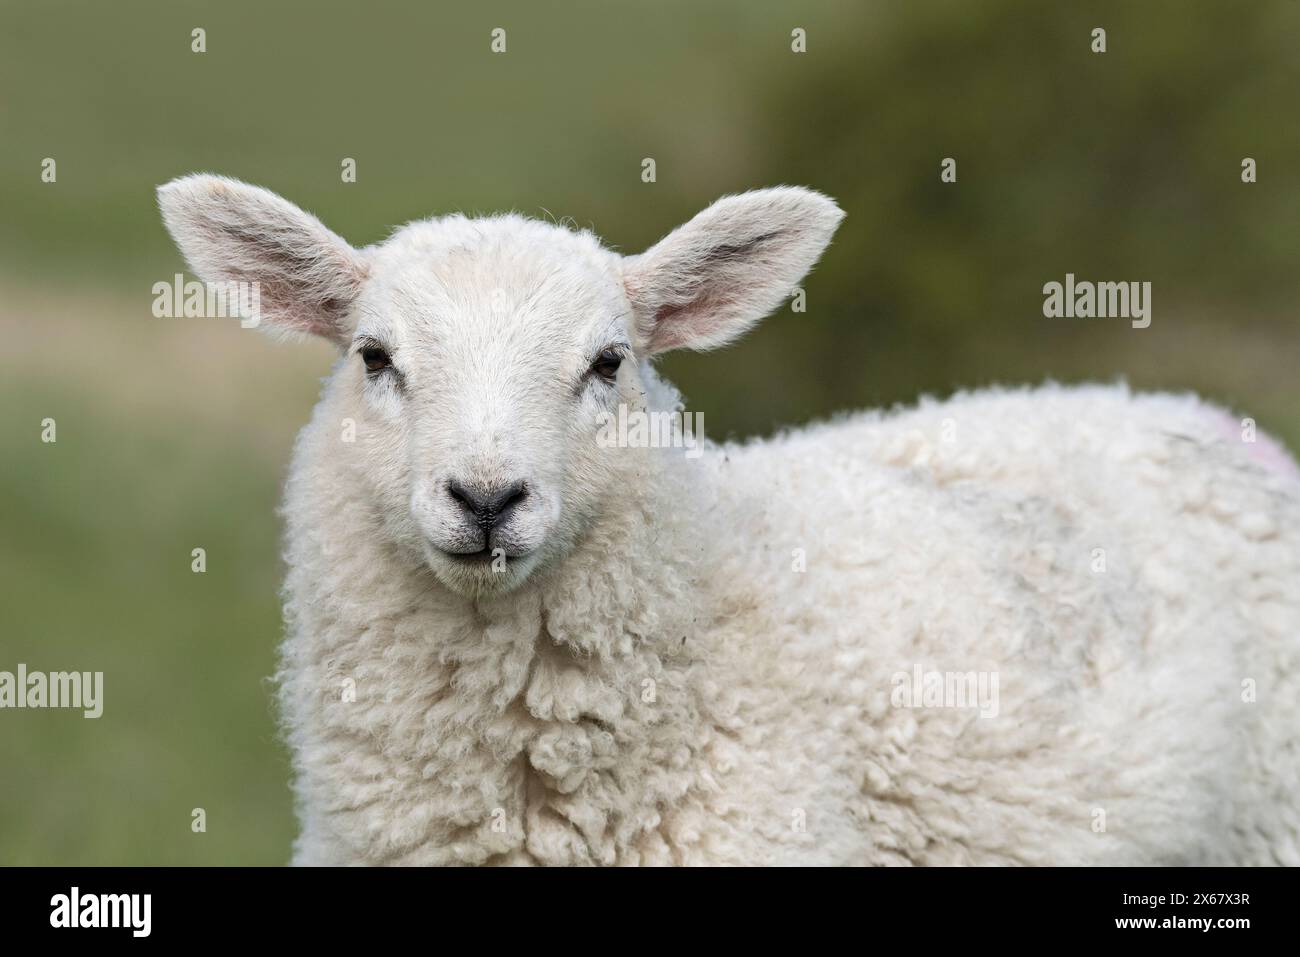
(696,665)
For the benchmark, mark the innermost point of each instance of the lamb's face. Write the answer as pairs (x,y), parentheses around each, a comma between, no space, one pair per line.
(481,354)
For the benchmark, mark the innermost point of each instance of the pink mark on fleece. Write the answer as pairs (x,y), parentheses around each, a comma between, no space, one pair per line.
(1264,450)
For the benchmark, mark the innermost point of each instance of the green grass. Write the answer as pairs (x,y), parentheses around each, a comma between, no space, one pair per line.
(97,576)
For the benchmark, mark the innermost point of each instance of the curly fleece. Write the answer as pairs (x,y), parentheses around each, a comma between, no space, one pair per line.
(710,675)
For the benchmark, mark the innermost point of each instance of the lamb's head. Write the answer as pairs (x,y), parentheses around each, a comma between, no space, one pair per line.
(481,356)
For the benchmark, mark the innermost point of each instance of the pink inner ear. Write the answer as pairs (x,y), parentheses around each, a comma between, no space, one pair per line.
(285,306)
(301,307)
(667,333)
(678,325)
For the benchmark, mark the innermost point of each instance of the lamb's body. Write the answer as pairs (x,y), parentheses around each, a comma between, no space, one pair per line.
(673,659)
(678,691)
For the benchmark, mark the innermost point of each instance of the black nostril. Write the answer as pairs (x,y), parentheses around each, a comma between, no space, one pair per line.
(512,495)
(461,494)
(488,506)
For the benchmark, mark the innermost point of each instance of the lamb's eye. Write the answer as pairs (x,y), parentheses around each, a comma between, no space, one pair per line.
(376,359)
(606,364)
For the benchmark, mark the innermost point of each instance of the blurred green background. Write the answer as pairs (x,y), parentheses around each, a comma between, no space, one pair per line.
(174,434)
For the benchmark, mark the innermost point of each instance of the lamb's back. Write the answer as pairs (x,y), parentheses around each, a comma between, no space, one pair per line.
(1125,565)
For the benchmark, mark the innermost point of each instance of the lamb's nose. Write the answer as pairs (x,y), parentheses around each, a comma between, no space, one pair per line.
(489,505)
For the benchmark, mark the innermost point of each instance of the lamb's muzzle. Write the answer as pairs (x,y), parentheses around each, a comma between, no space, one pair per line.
(487,506)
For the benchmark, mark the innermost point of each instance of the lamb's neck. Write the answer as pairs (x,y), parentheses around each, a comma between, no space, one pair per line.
(575,692)
(624,601)
(557,705)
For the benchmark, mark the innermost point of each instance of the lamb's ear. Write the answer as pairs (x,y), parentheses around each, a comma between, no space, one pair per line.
(708,281)
(307,277)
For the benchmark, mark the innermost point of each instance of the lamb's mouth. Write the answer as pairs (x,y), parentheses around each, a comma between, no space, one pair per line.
(483,556)
(471,567)
(485,571)
(471,558)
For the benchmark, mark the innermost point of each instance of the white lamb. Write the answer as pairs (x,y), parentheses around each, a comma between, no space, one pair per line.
(1058,625)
